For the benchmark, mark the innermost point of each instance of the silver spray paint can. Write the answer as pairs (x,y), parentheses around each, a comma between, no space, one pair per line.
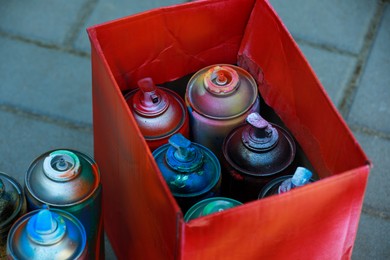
(69,180)
(47,234)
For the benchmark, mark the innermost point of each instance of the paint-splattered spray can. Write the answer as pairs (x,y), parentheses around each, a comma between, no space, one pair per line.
(47,234)
(12,206)
(254,154)
(191,170)
(219,98)
(301,177)
(159,112)
(69,180)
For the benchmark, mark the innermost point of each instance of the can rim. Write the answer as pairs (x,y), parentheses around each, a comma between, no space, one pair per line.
(88,158)
(18,210)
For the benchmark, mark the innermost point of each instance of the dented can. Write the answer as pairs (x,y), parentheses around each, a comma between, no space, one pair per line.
(254,154)
(209,206)
(159,112)
(69,180)
(219,98)
(191,171)
(12,206)
(47,234)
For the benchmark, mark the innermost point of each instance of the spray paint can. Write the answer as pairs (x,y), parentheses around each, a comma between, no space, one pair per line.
(47,234)
(219,98)
(69,180)
(209,206)
(191,171)
(159,112)
(254,154)
(301,177)
(12,206)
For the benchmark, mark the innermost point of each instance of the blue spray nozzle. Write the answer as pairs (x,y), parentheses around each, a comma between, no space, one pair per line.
(184,151)
(46,227)
(301,176)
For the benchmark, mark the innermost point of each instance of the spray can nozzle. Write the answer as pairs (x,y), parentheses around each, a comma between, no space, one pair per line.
(301,177)
(150,100)
(260,134)
(182,155)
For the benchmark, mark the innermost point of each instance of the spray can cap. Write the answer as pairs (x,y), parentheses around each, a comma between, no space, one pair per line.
(261,135)
(182,155)
(46,227)
(301,177)
(221,80)
(61,165)
(150,101)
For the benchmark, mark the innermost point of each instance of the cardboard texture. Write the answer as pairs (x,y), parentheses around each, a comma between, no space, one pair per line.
(142,219)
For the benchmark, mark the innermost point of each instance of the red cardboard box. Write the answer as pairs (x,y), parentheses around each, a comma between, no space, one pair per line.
(142,219)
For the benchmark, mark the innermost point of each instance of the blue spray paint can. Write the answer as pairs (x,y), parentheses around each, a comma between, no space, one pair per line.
(191,170)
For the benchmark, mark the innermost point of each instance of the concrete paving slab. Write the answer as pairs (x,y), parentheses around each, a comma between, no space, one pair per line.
(378,150)
(42,20)
(371,106)
(341,24)
(24,139)
(334,70)
(110,10)
(45,81)
(372,241)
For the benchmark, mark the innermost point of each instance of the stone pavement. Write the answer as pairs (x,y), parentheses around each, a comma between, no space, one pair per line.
(45,83)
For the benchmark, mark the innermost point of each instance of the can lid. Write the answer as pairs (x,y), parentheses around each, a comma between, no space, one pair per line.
(182,155)
(62,178)
(150,101)
(301,177)
(261,135)
(221,80)
(61,165)
(221,92)
(46,228)
(11,200)
(209,206)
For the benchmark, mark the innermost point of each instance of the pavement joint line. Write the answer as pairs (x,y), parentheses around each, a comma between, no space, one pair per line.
(326,47)
(20,111)
(370,131)
(45,45)
(84,13)
(369,39)
(372,211)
